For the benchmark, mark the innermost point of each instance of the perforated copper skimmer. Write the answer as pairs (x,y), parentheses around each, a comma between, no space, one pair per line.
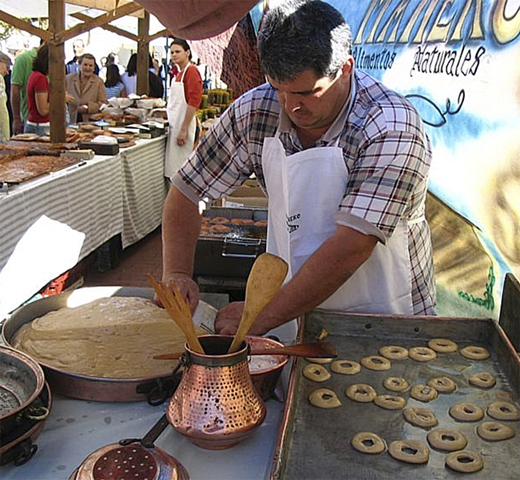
(216,405)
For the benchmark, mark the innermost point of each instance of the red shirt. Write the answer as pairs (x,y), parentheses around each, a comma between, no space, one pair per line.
(37,83)
(192,85)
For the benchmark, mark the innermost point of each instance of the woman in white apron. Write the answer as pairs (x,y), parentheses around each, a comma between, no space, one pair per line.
(185,97)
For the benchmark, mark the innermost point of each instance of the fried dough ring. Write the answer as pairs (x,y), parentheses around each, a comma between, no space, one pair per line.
(424,393)
(395,384)
(420,417)
(261,223)
(316,373)
(447,439)
(475,353)
(442,345)
(503,411)
(219,220)
(422,354)
(495,431)
(410,451)
(368,442)
(361,392)
(345,367)
(465,461)
(242,221)
(483,380)
(394,352)
(319,360)
(466,412)
(375,362)
(443,384)
(390,402)
(324,398)
(219,228)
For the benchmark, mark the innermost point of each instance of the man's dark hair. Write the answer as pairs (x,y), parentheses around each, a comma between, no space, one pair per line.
(302,35)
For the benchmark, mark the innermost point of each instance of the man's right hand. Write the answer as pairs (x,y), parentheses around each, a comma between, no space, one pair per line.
(17,126)
(187,287)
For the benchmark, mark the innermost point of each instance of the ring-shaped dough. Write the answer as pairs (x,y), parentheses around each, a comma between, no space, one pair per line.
(447,439)
(474,353)
(422,354)
(410,451)
(219,228)
(503,411)
(316,373)
(495,431)
(465,461)
(466,412)
(368,442)
(361,392)
(420,417)
(219,220)
(319,360)
(375,362)
(442,345)
(324,398)
(443,384)
(395,384)
(483,380)
(345,367)
(394,352)
(390,402)
(424,393)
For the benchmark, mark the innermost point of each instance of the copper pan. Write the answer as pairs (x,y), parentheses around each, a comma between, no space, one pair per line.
(85,387)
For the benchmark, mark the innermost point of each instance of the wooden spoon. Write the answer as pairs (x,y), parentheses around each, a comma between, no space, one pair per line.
(264,281)
(312,350)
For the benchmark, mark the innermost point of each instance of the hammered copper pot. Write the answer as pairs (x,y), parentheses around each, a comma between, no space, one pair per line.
(216,405)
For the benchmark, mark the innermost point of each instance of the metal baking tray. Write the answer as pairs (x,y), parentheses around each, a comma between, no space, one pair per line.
(314,443)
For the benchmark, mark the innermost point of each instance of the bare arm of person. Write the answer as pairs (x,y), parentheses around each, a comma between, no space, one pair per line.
(180,231)
(319,277)
(15,108)
(42,103)
(183,133)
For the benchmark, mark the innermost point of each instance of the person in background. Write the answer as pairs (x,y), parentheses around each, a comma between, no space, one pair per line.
(114,87)
(21,72)
(344,161)
(129,78)
(185,98)
(86,90)
(72,66)
(38,121)
(110,59)
(5,130)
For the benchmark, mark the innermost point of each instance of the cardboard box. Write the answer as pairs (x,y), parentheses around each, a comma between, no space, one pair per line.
(249,194)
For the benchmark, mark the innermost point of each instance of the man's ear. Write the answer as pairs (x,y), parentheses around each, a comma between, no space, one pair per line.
(348,66)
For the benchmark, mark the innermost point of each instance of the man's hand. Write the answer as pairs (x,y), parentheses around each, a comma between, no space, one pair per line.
(17,126)
(187,287)
(181,138)
(228,319)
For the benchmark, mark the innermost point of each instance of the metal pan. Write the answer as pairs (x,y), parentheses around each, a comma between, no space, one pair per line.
(82,386)
(315,443)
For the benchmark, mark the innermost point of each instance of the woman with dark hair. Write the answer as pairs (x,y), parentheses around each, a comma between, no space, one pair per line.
(114,87)
(185,97)
(129,78)
(38,120)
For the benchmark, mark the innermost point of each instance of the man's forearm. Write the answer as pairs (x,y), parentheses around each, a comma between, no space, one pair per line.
(180,231)
(15,101)
(319,277)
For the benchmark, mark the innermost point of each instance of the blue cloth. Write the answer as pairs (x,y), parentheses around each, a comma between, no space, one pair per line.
(114,91)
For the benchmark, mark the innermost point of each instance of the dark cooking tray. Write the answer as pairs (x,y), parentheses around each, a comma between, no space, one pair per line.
(314,443)
(231,254)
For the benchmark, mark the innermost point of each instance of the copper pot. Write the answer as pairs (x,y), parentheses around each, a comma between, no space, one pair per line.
(216,405)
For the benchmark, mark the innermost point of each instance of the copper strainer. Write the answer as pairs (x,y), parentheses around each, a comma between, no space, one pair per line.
(216,405)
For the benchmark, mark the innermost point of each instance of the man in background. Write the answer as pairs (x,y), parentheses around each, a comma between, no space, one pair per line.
(22,69)
(72,66)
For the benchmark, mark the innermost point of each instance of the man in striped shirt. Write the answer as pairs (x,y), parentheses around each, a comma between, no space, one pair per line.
(344,162)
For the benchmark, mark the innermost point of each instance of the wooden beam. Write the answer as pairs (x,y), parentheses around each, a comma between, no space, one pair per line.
(143,55)
(105,5)
(57,72)
(161,33)
(108,27)
(25,26)
(96,22)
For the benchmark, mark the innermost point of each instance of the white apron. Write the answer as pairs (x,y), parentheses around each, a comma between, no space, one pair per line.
(176,110)
(305,190)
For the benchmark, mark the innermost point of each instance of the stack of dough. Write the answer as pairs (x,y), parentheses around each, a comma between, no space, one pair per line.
(113,337)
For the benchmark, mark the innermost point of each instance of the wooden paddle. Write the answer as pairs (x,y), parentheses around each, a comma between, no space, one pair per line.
(264,281)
